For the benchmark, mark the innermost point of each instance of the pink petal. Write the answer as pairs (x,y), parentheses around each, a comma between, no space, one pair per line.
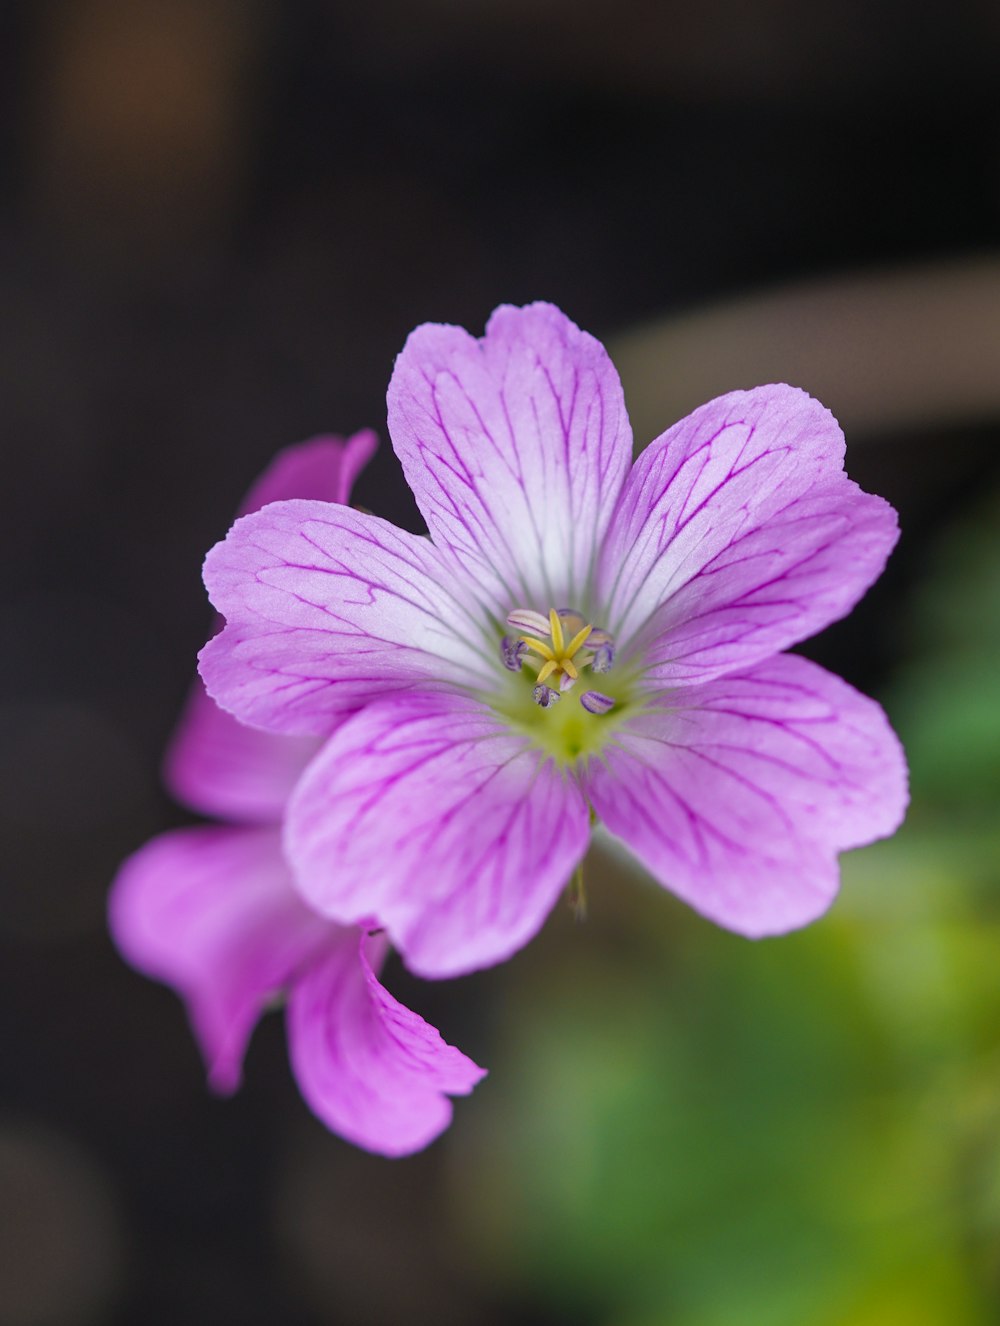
(430,814)
(220,767)
(740,793)
(738,534)
(215,764)
(515,446)
(212,912)
(324,468)
(371,1069)
(327,608)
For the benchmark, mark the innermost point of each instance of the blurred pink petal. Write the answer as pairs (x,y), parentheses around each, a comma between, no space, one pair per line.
(212,912)
(221,767)
(372,1070)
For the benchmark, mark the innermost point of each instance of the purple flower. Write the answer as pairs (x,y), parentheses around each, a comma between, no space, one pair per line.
(454,794)
(213,911)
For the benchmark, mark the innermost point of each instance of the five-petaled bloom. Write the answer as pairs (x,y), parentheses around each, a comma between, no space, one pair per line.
(213,911)
(580,636)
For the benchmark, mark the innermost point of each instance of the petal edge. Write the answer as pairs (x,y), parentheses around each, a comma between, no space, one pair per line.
(371,1069)
(740,794)
(427,812)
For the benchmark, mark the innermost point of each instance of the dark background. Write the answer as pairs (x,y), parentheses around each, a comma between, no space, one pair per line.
(218,222)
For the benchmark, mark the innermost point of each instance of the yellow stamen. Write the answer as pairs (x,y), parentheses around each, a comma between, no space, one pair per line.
(560,659)
(555,625)
(576,642)
(538,646)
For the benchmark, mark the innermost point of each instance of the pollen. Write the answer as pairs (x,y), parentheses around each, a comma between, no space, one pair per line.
(558,648)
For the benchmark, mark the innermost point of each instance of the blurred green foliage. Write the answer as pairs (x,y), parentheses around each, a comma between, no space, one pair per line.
(686,1129)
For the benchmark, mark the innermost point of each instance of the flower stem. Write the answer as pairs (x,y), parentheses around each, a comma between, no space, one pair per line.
(576,894)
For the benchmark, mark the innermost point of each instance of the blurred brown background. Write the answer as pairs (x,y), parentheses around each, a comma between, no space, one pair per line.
(218,221)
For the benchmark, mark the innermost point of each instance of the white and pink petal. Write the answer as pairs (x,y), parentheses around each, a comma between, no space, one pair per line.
(740,520)
(516,446)
(372,1070)
(771,587)
(326,608)
(430,813)
(738,795)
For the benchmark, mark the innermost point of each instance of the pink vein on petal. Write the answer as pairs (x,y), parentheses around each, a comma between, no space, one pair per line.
(455,832)
(308,639)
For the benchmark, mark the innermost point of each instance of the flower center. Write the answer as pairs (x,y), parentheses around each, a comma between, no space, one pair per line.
(549,657)
(558,649)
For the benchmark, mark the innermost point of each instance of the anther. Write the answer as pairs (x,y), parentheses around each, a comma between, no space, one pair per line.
(596,702)
(604,657)
(513,651)
(523,619)
(545,696)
